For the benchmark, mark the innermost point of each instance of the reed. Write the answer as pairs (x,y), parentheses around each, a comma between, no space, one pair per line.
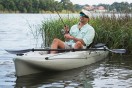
(115,30)
(52,29)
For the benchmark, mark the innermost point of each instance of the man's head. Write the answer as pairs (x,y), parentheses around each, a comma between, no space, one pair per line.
(85,15)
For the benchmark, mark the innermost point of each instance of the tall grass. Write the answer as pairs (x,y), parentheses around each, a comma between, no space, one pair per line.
(115,30)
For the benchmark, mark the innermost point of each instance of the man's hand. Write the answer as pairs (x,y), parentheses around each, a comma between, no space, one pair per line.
(68,36)
(66,28)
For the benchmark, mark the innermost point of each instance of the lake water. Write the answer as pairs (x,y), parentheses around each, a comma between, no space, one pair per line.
(16,32)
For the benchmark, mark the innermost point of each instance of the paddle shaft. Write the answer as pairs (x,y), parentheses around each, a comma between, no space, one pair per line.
(28,50)
(90,49)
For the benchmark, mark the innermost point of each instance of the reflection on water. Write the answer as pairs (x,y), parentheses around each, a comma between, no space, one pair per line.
(115,73)
(71,79)
(105,74)
(47,80)
(7,71)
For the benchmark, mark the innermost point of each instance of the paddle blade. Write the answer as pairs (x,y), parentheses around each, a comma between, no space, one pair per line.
(18,51)
(118,50)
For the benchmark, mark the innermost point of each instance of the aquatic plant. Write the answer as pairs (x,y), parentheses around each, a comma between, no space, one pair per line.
(114,30)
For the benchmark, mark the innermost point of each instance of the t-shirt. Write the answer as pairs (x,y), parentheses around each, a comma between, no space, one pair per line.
(86,33)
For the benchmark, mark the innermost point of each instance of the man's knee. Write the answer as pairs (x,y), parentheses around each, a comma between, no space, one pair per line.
(55,40)
(78,44)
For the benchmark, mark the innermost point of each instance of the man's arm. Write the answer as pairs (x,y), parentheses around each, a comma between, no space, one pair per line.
(77,39)
(68,37)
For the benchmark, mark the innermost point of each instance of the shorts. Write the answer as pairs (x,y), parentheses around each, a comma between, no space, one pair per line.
(71,46)
(67,46)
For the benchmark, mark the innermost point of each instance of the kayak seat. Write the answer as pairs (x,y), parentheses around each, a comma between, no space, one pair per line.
(90,46)
(98,45)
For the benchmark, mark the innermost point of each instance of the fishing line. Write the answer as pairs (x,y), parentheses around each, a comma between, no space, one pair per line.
(59,16)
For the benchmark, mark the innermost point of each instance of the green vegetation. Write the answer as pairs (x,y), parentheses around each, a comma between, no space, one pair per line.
(39,6)
(115,31)
(35,6)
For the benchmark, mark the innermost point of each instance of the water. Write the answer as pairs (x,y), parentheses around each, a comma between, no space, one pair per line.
(16,33)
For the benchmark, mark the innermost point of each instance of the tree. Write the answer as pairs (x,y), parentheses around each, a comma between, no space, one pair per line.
(35,6)
(1,7)
(77,7)
(58,6)
(9,5)
(67,4)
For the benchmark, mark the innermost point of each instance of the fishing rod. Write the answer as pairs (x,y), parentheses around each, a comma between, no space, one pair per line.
(62,31)
(59,16)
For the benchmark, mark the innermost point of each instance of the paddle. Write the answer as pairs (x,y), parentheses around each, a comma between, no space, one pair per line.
(19,52)
(115,50)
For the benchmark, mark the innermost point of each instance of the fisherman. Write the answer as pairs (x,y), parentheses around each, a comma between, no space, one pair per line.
(79,36)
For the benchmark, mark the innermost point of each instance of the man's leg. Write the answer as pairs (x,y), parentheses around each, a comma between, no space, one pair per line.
(57,43)
(78,45)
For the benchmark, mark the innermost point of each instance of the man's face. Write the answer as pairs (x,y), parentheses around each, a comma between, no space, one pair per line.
(83,18)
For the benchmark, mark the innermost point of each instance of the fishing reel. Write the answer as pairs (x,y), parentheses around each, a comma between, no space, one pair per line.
(64,31)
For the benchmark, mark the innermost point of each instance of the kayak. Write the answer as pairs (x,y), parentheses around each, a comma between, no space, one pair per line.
(31,61)
(41,61)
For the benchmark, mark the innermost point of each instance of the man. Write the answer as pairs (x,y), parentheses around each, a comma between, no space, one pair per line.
(79,36)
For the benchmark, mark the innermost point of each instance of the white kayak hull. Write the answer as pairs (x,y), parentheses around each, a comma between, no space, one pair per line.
(35,62)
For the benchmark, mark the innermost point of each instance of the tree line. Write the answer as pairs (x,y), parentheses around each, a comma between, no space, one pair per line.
(38,6)
(35,6)
(118,7)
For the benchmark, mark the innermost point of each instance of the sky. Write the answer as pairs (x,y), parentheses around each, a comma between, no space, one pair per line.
(96,2)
